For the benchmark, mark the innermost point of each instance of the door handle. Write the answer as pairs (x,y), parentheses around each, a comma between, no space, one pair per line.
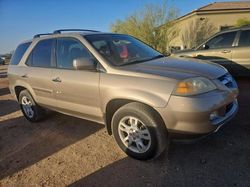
(57,79)
(226,51)
(25,76)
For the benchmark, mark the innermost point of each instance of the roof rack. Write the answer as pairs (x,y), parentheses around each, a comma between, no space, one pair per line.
(243,26)
(44,34)
(65,30)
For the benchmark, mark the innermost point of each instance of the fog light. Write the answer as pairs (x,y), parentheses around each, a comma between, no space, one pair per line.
(214,115)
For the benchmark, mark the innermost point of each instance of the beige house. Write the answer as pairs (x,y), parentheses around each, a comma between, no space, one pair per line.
(221,15)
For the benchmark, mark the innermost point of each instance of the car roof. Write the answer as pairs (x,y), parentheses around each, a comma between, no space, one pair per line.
(235,29)
(66,34)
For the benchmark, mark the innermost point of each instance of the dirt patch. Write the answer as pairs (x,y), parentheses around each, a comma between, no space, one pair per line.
(63,150)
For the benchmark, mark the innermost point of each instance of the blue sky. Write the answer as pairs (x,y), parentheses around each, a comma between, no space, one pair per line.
(21,19)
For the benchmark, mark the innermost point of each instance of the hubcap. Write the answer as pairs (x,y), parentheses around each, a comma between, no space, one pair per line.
(27,107)
(134,134)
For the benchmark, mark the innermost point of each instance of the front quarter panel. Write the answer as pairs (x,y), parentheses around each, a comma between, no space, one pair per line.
(153,92)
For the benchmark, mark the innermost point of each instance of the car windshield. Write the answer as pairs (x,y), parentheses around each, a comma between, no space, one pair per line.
(121,49)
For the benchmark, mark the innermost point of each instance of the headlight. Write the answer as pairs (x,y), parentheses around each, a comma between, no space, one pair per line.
(194,86)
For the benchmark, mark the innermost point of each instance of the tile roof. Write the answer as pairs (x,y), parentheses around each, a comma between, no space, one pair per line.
(236,5)
(221,6)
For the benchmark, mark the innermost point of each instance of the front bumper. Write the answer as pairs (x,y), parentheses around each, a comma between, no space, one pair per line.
(221,120)
(192,115)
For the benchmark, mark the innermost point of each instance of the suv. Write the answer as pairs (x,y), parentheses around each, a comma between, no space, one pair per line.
(142,97)
(229,48)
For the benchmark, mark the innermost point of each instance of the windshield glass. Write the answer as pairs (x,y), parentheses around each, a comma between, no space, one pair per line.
(121,49)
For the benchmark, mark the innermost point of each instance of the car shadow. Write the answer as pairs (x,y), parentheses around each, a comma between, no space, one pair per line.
(4,91)
(8,106)
(222,159)
(38,140)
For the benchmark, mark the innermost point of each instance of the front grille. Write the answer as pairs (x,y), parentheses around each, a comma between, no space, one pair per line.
(227,80)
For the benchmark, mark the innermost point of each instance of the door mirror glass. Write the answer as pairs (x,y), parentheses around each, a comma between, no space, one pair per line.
(205,46)
(84,63)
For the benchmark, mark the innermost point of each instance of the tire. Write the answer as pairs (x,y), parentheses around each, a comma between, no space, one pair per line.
(146,138)
(30,109)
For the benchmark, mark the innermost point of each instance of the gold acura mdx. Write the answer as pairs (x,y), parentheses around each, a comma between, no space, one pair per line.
(142,97)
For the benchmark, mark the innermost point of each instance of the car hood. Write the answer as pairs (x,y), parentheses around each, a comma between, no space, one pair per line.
(182,51)
(178,68)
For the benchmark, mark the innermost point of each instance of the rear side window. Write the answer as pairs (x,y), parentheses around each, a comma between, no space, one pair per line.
(42,54)
(222,41)
(19,52)
(244,38)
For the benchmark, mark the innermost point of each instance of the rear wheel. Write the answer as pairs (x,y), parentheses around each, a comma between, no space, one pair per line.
(139,131)
(31,110)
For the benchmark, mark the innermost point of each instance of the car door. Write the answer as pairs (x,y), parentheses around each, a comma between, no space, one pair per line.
(218,49)
(39,72)
(241,54)
(77,91)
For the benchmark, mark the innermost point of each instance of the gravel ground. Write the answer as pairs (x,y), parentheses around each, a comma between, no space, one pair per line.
(63,150)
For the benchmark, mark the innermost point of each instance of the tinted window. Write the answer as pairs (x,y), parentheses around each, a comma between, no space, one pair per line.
(222,40)
(19,52)
(244,38)
(122,49)
(29,59)
(69,49)
(42,54)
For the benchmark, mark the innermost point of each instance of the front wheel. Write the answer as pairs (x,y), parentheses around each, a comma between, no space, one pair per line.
(139,131)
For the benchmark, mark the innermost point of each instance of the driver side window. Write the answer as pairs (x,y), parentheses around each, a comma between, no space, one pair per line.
(69,49)
(224,40)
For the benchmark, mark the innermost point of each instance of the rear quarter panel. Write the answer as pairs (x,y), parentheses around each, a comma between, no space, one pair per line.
(15,79)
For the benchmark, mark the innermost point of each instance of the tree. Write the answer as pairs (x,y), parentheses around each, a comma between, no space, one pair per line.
(197,32)
(242,22)
(151,24)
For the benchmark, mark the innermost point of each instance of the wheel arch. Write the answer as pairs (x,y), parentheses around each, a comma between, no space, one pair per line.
(18,90)
(114,104)
(20,87)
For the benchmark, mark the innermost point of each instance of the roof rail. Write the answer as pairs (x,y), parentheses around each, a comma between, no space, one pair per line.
(44,34)
(244,26)
(65,30)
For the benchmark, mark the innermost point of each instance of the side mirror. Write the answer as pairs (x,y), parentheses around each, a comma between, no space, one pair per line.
(166,53)
(84,63)
(205,46)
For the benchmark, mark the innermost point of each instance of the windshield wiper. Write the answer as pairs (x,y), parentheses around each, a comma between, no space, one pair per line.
(133,62)
(142,60)
(155,57)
